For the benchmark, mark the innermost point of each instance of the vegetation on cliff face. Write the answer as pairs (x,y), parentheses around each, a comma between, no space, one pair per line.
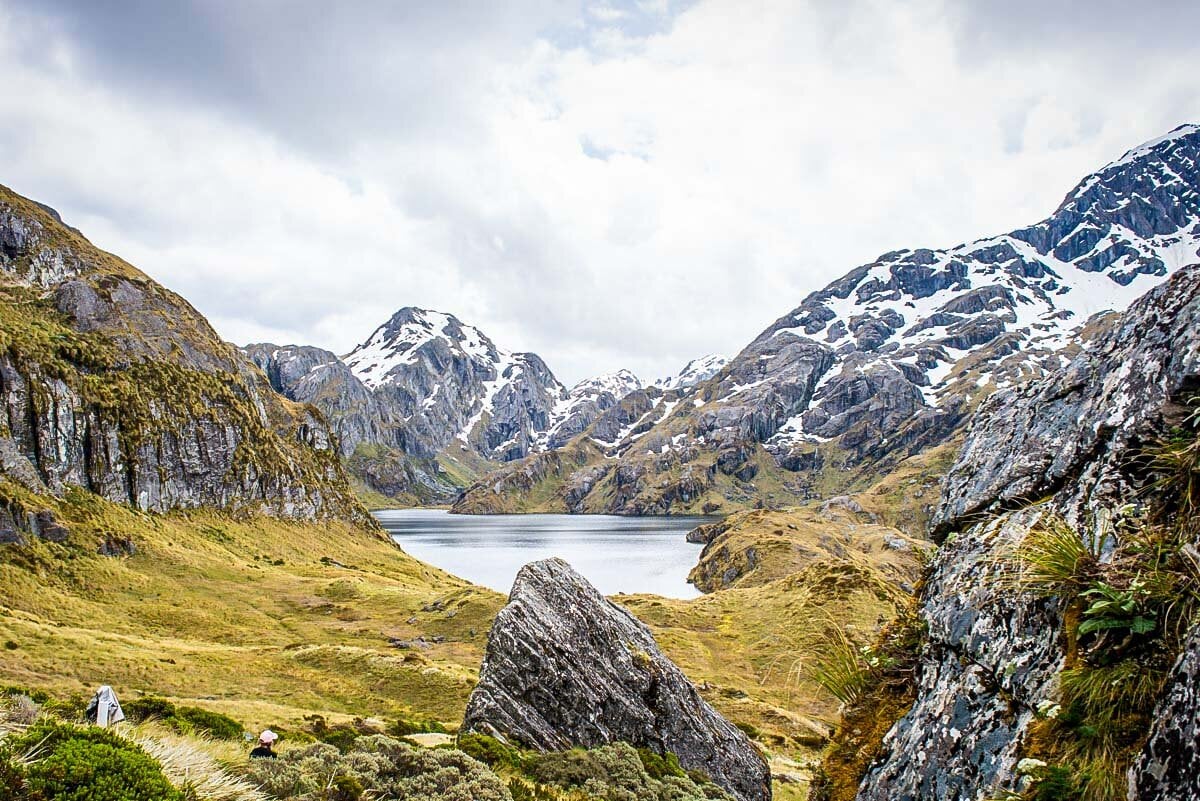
(1131,596)
(876,684)
(110,382)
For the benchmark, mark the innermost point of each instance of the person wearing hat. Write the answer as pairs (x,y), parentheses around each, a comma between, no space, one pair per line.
(265,742)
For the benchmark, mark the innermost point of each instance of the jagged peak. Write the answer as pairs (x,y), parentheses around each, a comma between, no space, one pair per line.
(398,343)
(697,370)
(1149,147)
(618,383)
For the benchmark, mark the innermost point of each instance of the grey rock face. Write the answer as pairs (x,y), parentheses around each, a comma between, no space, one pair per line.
(993,653)
(586,402)
(150,407)
(311,375)
(1071,433)
(992,657)
(448,381)
(372,437)
(1169,766)
(565,667)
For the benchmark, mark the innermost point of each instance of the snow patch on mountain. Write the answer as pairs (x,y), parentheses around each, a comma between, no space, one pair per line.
(618,384)
(694,372)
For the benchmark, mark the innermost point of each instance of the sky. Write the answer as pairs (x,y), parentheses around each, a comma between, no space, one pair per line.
(608,184)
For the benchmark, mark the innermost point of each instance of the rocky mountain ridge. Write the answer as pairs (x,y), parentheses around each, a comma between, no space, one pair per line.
(426,392)
(890,359)
(113,384)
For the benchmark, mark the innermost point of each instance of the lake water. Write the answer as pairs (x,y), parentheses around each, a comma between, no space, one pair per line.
(616,554)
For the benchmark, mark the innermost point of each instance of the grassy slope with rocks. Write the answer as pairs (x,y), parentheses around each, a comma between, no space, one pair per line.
(265,619)
(273,621)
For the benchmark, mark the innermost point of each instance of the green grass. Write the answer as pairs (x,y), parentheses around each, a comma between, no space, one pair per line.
(262,619)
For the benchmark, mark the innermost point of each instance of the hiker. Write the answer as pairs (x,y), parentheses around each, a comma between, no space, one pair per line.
(263,749)
(104,709)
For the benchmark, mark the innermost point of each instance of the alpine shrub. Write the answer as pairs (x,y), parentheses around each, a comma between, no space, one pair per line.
(66,763)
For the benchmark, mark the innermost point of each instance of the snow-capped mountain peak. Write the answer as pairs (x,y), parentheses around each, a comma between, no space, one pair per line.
(446,380)
(1117,234)
(399,342)
(618,384)
(693,373)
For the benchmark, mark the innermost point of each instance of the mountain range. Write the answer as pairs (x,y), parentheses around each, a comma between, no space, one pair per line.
(427,401)
(182,516)
(114,384)
(883,363)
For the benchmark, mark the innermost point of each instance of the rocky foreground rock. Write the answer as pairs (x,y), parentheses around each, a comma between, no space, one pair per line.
(1071,440)
(565,667)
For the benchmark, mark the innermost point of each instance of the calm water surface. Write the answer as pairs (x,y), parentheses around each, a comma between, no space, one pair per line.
(616,554)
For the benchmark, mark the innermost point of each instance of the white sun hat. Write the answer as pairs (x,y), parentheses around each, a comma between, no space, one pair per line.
(268,737)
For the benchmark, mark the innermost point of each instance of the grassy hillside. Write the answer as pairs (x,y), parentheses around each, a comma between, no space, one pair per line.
(271,621)
(267,620)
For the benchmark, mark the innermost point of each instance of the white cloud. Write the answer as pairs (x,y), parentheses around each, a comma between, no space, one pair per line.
(624,197)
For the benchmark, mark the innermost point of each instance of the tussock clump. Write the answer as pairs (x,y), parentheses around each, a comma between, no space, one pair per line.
(54,762)
(195,772)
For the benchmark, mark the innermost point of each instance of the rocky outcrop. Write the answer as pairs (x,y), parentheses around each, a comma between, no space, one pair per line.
(693,373)
(754,547)
(565,667)
(888,361)
(1169,766)
(1072,434)
(311,375)
(1072,441)
(112,383)
(991,658)
(372,437)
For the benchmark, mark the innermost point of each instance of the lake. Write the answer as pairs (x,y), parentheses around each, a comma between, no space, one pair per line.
(616,554)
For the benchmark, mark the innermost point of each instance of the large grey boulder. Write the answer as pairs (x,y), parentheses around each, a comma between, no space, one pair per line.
(565,667)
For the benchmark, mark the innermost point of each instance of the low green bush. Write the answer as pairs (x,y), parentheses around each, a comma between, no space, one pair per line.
(660,766)
(184,719)
(378,767)
(490,751)
(617,773)
(403,727)
(214,724)
(68,763)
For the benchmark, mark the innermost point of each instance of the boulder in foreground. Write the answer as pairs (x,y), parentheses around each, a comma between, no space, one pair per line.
(565,667)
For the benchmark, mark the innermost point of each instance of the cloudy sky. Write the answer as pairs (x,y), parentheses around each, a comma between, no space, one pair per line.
(609,184)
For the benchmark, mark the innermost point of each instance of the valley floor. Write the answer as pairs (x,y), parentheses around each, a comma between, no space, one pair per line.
(271,622)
